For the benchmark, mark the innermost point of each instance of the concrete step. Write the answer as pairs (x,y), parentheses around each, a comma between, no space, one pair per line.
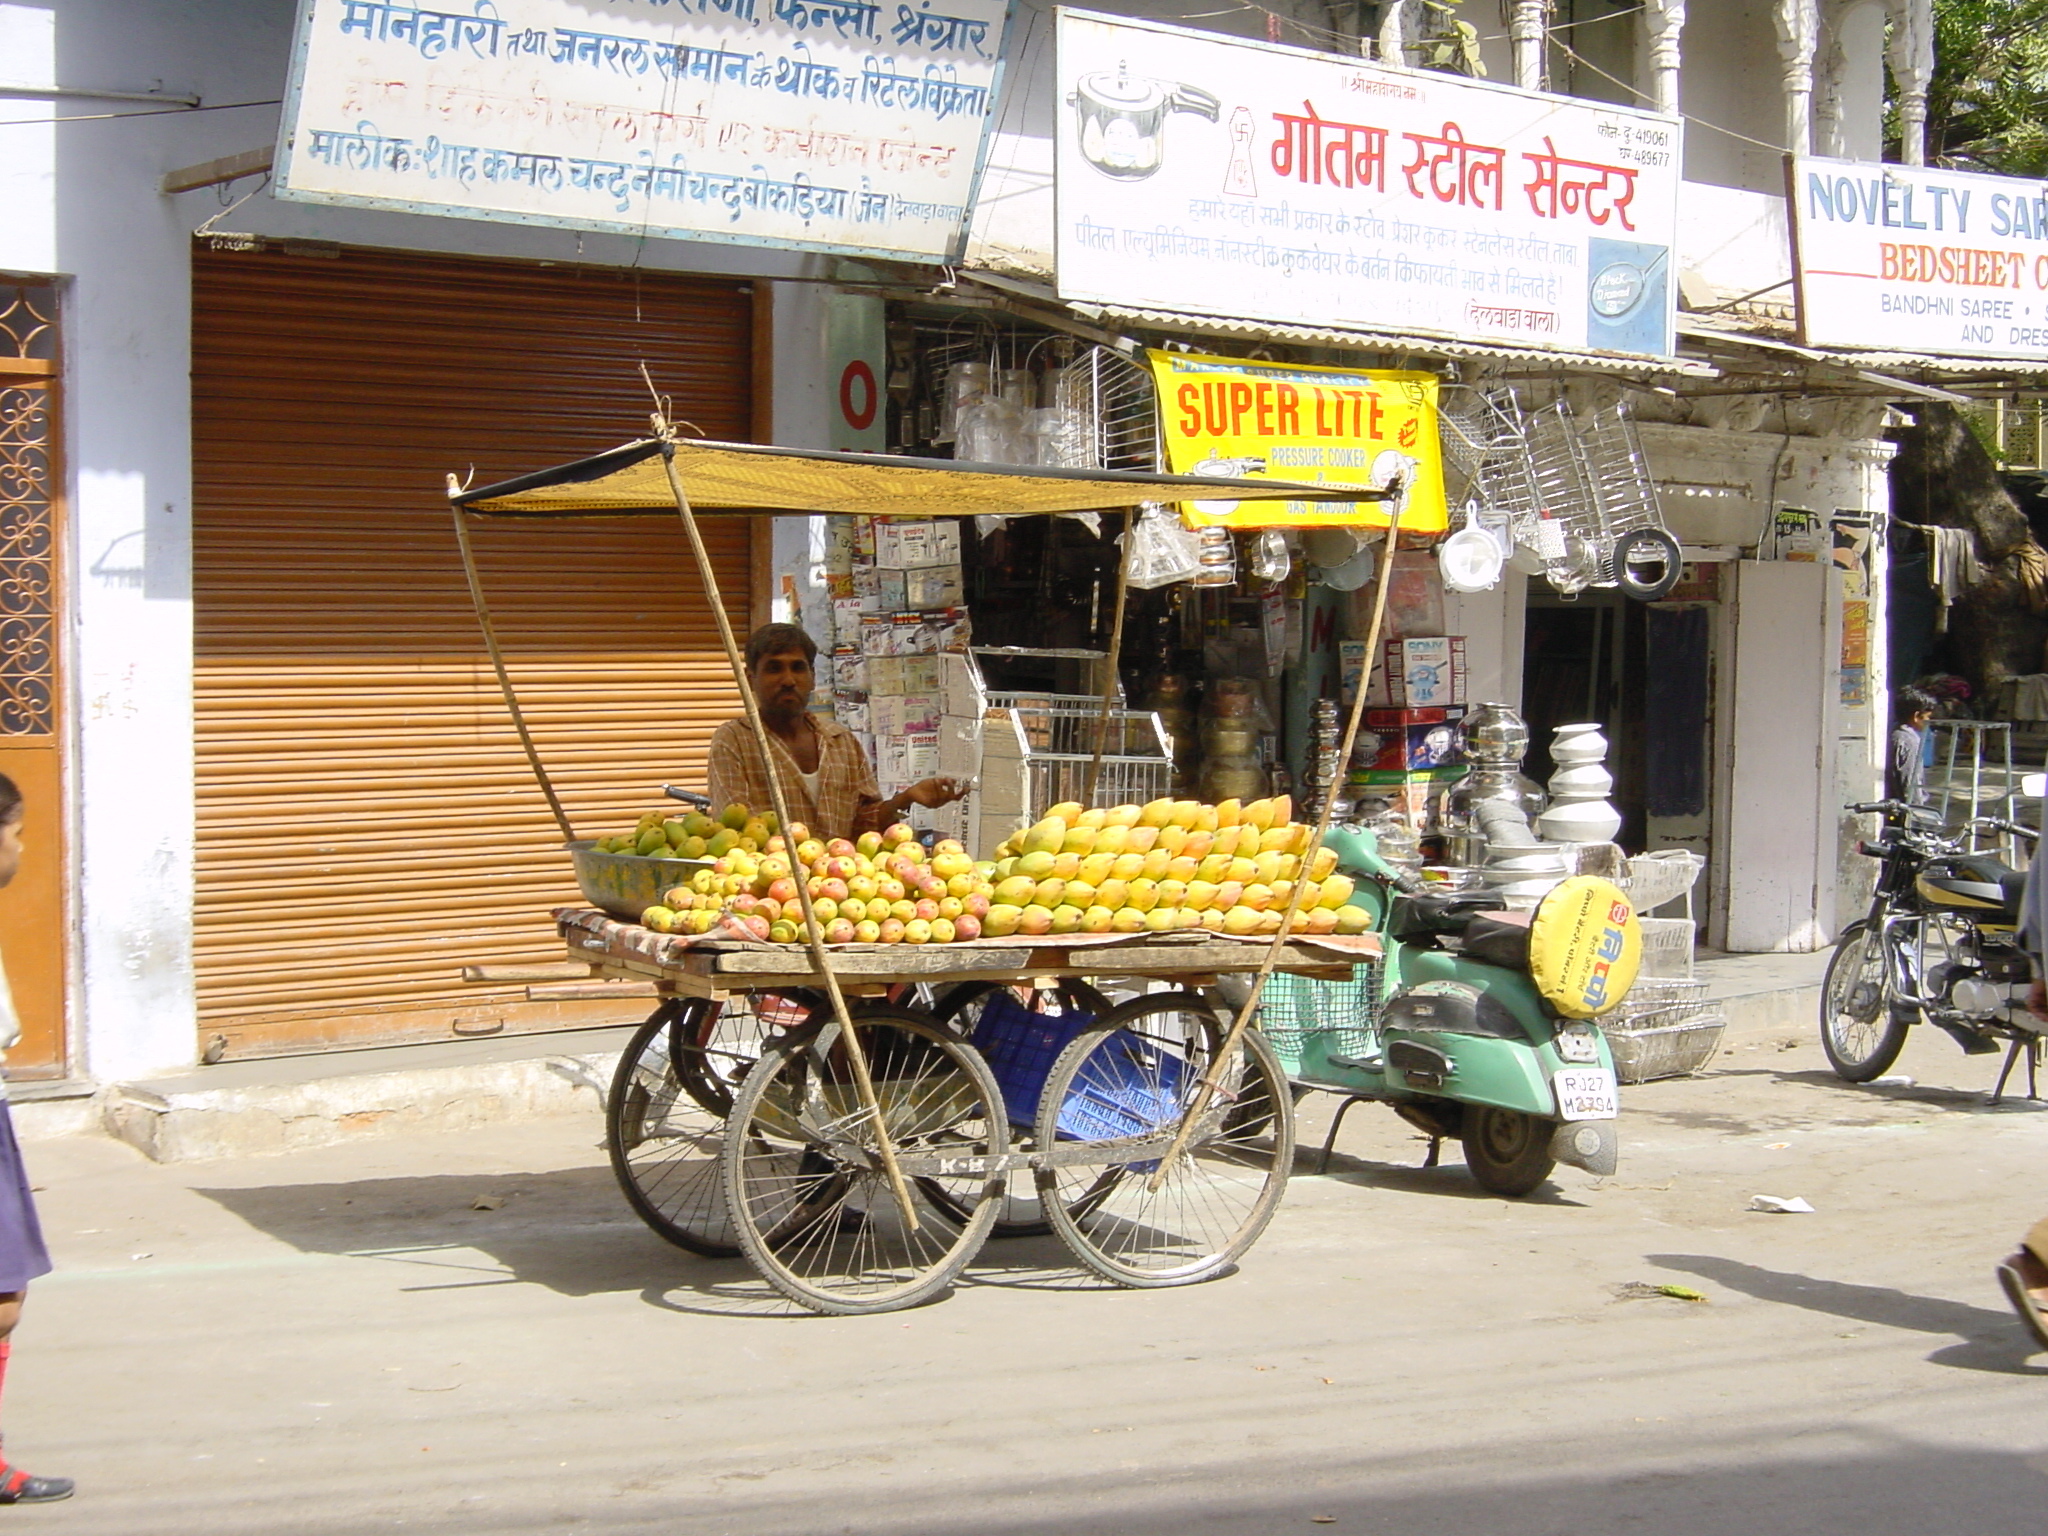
(283,1104)
(1776,995)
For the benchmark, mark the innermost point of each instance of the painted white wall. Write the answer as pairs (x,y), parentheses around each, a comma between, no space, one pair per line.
(1729,89)
(804,403)
(83,204)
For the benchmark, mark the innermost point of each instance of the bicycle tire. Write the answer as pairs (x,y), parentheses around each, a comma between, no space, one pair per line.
(663,1144)
(1135,1073)
(1861,1034)
(1021,1214)
(812,1209)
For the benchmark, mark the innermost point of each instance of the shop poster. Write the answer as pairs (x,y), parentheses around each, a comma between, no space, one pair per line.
(1346,426)
(1222,176)
(833,125)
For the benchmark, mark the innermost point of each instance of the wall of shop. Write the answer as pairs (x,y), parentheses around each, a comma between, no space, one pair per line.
(1796,735)
(84,204)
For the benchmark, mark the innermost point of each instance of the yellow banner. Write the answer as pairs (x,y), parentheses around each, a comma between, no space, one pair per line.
(1354,426)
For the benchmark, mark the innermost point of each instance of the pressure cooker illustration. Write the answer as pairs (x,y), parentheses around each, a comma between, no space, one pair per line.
(1121,118)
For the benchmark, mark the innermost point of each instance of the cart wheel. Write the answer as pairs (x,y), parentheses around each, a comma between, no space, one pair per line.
(664,1118)
(959,1011)
(1134,1075)
(810,1202)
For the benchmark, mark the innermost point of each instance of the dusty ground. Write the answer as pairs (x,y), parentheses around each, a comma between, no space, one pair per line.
(334,1341)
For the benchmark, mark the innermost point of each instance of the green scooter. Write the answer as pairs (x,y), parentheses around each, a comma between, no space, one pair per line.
(1457,1040)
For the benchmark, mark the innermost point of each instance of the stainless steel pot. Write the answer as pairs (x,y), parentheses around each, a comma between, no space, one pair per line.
(1121,119)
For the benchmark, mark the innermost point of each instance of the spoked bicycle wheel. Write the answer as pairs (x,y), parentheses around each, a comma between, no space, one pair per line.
(664,1118)
(965,1011)
(1130,1078)
(1862,1028)
(810,1201)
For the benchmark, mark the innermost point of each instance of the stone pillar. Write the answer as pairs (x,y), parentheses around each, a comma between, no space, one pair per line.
(1830,64)
(1798,23)
(1394,31)
(1910,52)
(1526,31)
(1667,21)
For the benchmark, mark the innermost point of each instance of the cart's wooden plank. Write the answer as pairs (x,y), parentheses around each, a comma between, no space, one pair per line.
(898,960)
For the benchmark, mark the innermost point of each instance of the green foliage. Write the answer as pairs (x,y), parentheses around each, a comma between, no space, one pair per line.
(1449,42)
(1987,105)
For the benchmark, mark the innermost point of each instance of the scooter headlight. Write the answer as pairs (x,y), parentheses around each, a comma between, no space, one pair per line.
(1577,1043)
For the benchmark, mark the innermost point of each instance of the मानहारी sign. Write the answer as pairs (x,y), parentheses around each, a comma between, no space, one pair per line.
(1348,426)
(1221,176)
(837,125)
(1914,259)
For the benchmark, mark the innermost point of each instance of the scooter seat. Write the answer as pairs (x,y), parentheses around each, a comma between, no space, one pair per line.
(1499,938)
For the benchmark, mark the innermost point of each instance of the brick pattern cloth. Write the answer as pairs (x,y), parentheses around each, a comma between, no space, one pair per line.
(848,802)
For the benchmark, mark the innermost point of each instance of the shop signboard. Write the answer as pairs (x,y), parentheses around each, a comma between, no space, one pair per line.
(1219,176)
(833,125)
(1348,426)
(1908,258)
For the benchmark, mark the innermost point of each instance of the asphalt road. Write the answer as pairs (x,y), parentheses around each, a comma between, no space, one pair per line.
(335,1341)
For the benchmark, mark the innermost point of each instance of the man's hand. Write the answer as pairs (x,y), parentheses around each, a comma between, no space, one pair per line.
(2037,998)
(932,793)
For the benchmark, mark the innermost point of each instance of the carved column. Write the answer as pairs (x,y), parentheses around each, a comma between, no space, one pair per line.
(1667,22)
(1830,67)
(1798,23)
(1910,52)
(1394,33)
(1526,29)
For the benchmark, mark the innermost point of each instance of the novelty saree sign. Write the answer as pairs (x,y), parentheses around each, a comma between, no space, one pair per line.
(1219,176)
(1347,426)
(1912,259)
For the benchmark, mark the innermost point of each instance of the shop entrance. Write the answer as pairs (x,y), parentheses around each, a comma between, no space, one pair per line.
(32,726)
(367,824)
(1645,673)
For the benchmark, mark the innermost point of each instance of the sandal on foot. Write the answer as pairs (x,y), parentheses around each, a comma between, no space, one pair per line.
(20,1488)
(2014,1274)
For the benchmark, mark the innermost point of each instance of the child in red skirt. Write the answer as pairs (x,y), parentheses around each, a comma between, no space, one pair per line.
(22,1254)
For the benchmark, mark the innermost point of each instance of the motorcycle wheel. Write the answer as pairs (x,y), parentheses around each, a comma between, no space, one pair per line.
(1860,1027)
(1507,1151)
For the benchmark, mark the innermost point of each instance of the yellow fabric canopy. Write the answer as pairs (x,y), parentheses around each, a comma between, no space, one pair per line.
(748,477)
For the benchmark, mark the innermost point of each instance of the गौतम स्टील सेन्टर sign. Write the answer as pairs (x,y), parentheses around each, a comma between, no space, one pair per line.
(1218,176)
(1907,258)
(1349,426)
(831,125)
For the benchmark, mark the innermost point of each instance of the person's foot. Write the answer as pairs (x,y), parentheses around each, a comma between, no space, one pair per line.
(17,1487)
(2025,1279)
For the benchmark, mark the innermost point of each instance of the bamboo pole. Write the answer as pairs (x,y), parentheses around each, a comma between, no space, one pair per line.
(483,618)
(814,931)
(1205,1091)
(1116,646)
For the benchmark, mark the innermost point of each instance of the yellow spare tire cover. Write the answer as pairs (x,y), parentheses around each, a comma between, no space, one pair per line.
(1585,946)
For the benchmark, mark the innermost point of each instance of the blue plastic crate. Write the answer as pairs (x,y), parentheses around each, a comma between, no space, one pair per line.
(1127,1087)
(1020,1045)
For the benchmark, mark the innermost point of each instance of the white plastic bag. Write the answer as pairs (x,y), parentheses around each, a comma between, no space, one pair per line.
(1159,550)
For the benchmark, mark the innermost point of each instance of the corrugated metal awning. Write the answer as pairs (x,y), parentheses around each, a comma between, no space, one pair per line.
(1388,341)
(748,477)
(1777,343)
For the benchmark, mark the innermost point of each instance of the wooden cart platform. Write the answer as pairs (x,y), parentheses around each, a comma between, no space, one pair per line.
(697,968)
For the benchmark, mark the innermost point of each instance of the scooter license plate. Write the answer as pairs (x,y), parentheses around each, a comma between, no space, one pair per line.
(1586,1093)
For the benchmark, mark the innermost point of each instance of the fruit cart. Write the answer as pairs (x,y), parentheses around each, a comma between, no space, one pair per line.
(856,1120)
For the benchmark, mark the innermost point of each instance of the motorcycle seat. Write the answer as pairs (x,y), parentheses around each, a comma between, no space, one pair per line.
(1499,938)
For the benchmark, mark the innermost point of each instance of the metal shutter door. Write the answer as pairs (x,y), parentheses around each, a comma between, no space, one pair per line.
(367,823)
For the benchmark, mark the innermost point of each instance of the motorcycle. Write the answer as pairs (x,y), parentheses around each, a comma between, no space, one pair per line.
(1940,943)
(1457,1041)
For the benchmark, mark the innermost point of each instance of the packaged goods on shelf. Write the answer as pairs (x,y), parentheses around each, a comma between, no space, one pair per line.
(908,544)
(1425,672)
(1403,740)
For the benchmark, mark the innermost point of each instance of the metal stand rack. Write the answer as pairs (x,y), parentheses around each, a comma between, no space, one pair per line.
(1974,748)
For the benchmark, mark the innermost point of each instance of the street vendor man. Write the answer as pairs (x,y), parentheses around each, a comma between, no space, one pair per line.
(827,777)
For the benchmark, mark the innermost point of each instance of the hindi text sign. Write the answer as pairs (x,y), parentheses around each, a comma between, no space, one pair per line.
(1220,176)
(838,125)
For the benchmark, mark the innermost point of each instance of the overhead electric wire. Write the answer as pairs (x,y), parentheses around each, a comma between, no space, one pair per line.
(98,117)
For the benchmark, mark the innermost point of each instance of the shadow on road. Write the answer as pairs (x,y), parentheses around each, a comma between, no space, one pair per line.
(1991,1340)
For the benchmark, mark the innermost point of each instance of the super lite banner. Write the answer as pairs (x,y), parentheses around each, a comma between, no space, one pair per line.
(1344,426)
(1910,259)
(1214,175)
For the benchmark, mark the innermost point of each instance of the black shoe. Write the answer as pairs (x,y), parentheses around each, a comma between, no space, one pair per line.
(20,1488)
(1974,1042)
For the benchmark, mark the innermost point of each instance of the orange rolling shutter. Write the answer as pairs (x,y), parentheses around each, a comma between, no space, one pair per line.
(367,823)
